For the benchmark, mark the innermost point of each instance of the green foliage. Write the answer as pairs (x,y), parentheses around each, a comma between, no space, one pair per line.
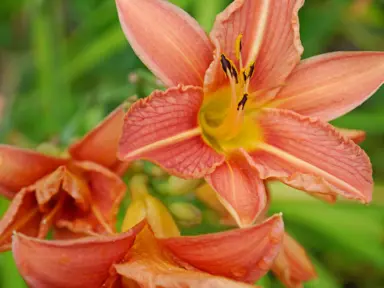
(65,64)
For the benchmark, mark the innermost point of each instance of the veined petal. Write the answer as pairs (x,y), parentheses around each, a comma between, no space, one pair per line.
(20,168)
(311,155)
(150,266)
(242,254)
(23,215)
(163,128)
(330,85)
(87,261)
(239,189)
(171,44)
(356,136)
(100,144)
(271,39)
(292,266)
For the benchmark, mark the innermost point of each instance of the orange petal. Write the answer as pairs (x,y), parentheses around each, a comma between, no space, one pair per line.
(106,193)
(271,38)
(242,254)
(171,44)
(163,128)
(87,261)
(293,266)
(311,155)
(100,144)
(356,136)
(20,168)
(330,85)
(150,266)
(23,215)
(239,189)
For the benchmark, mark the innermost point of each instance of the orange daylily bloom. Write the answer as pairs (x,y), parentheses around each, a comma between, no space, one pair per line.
(292,265)
(79,195)
(242,107)
(159,257)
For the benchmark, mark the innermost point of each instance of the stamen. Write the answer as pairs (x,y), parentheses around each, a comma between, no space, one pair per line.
(238,46)
(229,68)
(225,64)
(242,102)
(238,49)
(251,70)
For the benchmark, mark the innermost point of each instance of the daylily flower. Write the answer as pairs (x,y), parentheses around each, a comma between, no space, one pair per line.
(159,257)
(242,108)
(292,265)
(79,195)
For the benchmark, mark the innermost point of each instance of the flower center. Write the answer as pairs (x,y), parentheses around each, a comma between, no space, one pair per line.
(225,121)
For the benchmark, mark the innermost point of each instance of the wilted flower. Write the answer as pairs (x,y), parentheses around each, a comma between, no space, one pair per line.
(159,257)
(243,108)
(79,195)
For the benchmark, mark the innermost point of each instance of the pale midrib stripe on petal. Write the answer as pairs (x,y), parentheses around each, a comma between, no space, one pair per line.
(164,142)
(260,31)
(291,158)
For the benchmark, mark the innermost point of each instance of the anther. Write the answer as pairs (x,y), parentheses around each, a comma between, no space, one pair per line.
(251,70)
(225,64)
(234,74)
(238,46)
(242,102)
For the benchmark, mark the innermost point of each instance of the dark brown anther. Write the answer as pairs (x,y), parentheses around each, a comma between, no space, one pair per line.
(234,74)
(245,76)
(225,64)
(251,70)
(242,102)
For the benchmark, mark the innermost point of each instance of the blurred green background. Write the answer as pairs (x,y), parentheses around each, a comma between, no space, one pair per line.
(65,64)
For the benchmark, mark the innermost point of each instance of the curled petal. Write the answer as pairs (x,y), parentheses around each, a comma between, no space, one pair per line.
(239,189)
(311,155)
(106,191)
(22,215)
(87,261)
(292,266)
(330,85)
(20,168)
(100,144)
(171,44)
(163,128)
(242,254)
(356,136)
(150,266)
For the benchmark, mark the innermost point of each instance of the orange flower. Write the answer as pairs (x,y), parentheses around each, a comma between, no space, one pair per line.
(245,108)
(159,257)
(79,195)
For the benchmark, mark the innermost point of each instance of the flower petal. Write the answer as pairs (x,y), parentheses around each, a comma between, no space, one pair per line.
(239,189)
(150,266)
(242,254)
(22,215)
(20,168)
(171,44)
(163,128)
(293,266)
(100,144)
(271,38)
(356,136)
(330,85)
(106,191)
(87,261)
(311,155)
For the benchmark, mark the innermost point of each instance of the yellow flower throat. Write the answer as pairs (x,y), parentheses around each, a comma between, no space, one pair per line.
(224,119)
